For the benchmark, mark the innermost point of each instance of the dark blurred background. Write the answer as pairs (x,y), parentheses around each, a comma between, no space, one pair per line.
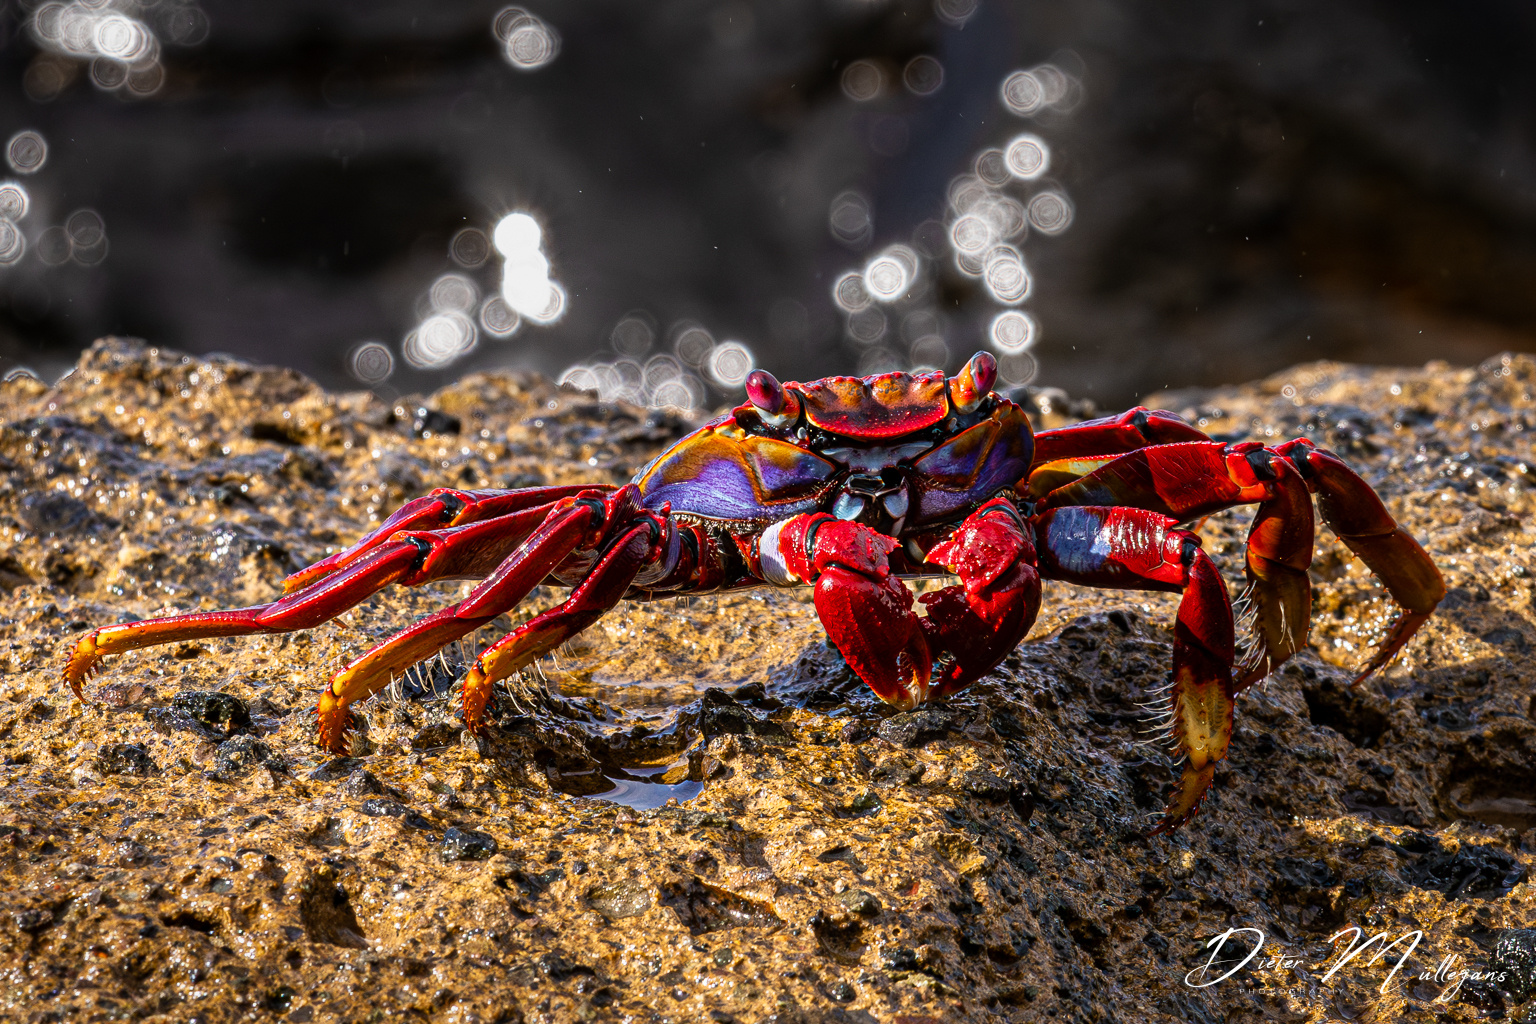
(1230,187)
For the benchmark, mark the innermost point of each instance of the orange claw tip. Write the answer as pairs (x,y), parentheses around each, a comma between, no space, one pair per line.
(973,383)
(82,663)
(334,722)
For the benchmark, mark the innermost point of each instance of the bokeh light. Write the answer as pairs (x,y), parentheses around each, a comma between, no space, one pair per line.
(1017,370)
(527,41)
(878,360)
(930,352)
(441,338)
(1027,157)
(1050,212)
(1055,84)
(851,220)
(867,326)
(1012,331)
(12,243)
(634,334)
(554,306)
(26,152)
(692,343)
(923,75)
(849,292)
(87,237)
(499,319)
(992,167)
(971,233)
(955,12)
(455,293)
(525,282)
(862,80)
(53,246)
(1027,93)
(729,364)
(117,38)
(371,363)
(1022,93)
(1004,275)
(890,274)
(14,200)
(469,248)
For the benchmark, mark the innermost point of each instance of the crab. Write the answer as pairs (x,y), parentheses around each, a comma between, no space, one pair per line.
(851,486)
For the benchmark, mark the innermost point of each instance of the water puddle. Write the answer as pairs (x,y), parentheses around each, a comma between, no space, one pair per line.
(647,788)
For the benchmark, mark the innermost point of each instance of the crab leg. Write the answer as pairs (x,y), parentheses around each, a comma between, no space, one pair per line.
(1277,602)
(1112,435)
(572,524)
(408,558)
(637,547)
(443,507)
(382,566)
(1354,512)
(1189,481)
(1132,549)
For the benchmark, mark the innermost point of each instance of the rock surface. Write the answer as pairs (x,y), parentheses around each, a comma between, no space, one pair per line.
(696,812)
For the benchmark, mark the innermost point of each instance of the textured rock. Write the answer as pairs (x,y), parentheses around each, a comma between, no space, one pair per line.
(824,859)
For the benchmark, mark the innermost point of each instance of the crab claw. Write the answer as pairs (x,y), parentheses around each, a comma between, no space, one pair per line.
(866,611)
(978,623)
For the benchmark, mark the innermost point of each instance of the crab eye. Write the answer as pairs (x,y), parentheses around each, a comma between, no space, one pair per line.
(973,382)
(765,392)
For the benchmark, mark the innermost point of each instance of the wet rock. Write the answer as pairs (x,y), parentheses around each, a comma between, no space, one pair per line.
(1467,872)
(557,966)
(721,715)
(362,783)
(238,755)
(1514,956)
(125,759)
(620,900)
(987,785)
(998,838)
(55,513)
(34,920)
(857,901)
(386,808)
(436,735)
(704,908)
(466,844)
(426,423)
(336,768)
(215,715)
(916,728)
(1296,873)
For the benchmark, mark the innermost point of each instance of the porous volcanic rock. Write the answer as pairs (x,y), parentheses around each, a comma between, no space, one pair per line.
(696,812)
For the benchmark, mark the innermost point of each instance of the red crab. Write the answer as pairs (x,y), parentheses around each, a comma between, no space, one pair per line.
(849,485)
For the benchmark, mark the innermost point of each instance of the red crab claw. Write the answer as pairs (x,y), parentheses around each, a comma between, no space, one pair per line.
(979,622)
(865,610)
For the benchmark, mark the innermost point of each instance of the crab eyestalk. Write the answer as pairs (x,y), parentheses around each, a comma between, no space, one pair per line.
(777,405)
(973,383)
